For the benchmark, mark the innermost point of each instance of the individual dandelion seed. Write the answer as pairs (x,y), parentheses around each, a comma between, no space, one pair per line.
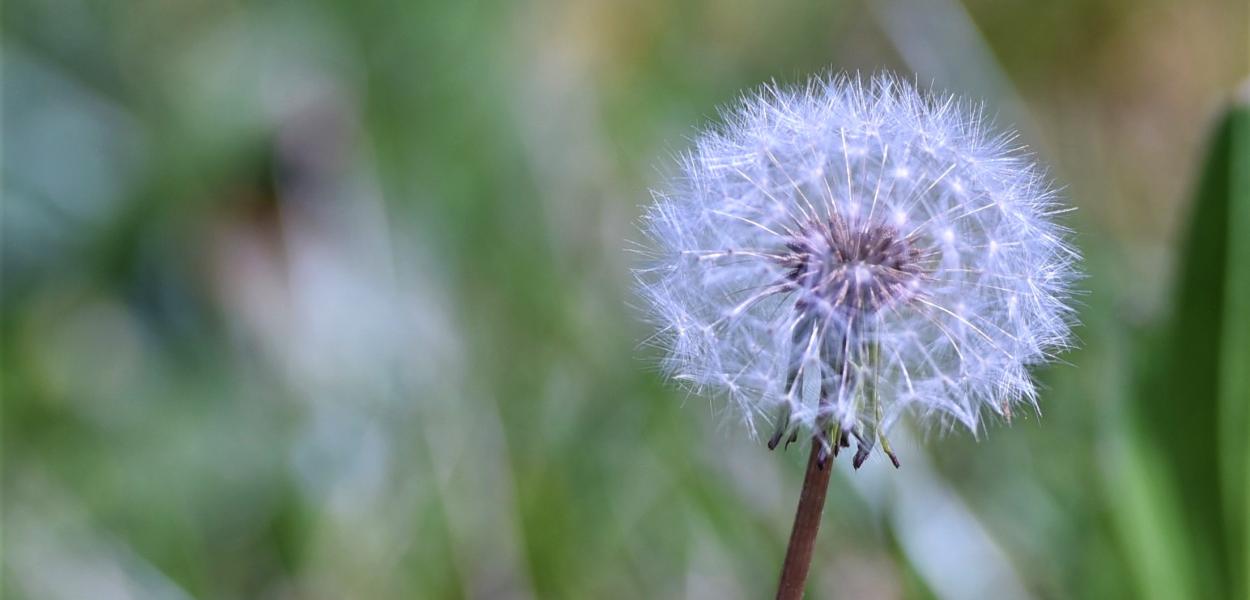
(839,254)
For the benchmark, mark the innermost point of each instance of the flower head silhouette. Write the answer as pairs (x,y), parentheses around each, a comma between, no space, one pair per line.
(838,254)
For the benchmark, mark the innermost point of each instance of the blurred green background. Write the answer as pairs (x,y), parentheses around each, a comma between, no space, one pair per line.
(331,300)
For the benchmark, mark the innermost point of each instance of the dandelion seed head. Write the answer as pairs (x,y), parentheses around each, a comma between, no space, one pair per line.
(844,252)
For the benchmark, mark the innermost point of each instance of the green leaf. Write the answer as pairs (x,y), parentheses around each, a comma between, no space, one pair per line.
(1193,403)
(1235,359)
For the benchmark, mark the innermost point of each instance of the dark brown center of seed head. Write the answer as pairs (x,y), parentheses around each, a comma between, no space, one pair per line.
(853,268)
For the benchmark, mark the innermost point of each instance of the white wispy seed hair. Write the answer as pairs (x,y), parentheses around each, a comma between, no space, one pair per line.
(840,253)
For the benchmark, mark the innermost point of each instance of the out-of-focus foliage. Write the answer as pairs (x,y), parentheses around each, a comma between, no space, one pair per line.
(1194,400)
(330,299)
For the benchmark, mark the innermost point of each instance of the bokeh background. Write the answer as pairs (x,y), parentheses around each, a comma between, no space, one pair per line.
(332,300)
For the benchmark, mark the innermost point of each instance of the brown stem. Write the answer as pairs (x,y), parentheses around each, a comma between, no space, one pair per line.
(806,523)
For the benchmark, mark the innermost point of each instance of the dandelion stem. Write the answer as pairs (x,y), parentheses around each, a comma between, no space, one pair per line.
(806,522)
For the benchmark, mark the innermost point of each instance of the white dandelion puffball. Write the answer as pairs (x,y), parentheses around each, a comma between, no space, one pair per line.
(838,254)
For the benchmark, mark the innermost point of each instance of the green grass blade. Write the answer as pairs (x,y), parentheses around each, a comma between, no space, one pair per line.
(1192,406)
(1235,350)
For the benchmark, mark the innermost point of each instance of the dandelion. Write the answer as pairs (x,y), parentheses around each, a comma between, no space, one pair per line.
(843,253)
